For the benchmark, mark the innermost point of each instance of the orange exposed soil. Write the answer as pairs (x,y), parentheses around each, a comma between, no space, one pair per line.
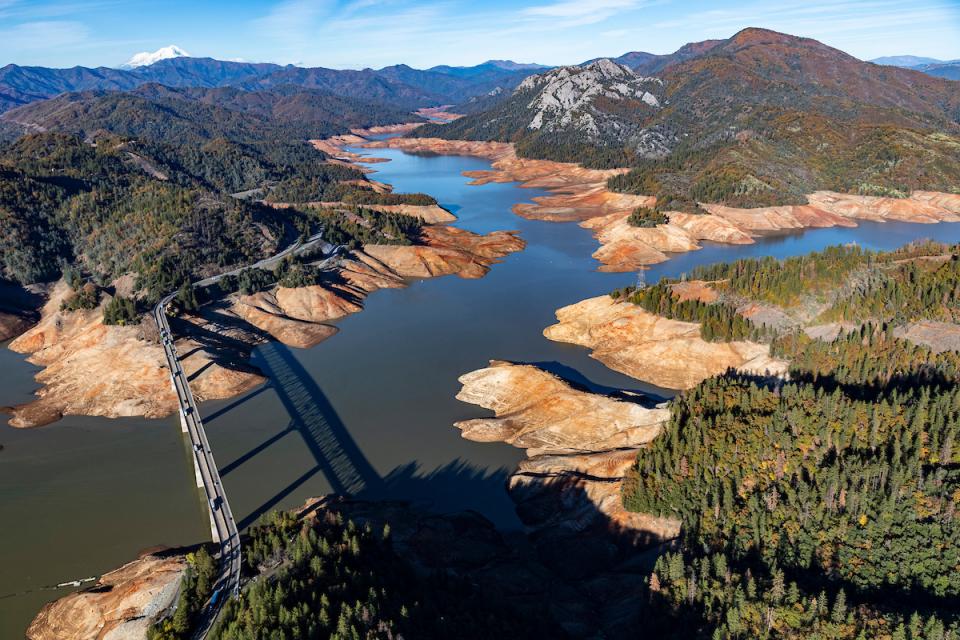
(667,353)
(124,605)
(580,194)
(94,369)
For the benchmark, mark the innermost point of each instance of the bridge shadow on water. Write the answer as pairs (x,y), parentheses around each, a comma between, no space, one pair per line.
(341,461)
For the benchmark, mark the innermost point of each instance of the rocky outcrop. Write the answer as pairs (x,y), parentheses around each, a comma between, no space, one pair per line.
(937,336)
(664,352)
(563,101)
(625,247)
(447,251)
(121,606)
(577,492)
(567,493)
(543,414)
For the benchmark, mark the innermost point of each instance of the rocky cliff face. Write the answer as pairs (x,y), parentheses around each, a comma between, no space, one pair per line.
(591,101)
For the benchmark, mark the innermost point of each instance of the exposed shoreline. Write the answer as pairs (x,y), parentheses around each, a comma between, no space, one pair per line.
(581,195)
(93,369)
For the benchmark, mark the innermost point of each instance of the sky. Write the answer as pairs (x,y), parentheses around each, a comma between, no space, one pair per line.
(376,33)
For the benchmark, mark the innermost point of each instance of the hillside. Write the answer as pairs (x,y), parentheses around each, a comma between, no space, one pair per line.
(761,118)
(570,111)
(809,476)
(155,112)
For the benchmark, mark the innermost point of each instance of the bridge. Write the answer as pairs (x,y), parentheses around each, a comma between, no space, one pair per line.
(223,527)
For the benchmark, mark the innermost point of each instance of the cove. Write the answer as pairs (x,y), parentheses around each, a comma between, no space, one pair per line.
(371,409)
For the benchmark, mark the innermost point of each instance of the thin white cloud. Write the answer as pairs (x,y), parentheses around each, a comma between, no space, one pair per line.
(579,8)
(44,34)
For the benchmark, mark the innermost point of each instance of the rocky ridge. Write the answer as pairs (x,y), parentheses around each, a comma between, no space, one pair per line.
(664,352)
(563,101)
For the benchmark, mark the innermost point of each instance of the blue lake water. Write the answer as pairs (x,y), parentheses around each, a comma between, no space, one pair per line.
(371,408)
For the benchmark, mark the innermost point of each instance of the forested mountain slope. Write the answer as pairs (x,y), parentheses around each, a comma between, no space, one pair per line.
(761,118)
(823,505)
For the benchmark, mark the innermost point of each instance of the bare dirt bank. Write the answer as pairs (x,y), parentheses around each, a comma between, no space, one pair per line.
(90,368)
(580,447)
(580,194)
(627,248)
(122,605)
(541,413)
(664,352)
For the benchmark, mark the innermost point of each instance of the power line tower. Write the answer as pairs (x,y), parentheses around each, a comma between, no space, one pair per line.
(641,280)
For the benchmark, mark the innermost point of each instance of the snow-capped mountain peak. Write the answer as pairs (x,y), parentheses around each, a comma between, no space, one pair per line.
(146,58)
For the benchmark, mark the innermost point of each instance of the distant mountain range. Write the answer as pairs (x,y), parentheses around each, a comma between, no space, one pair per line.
(399,85)
(949,69)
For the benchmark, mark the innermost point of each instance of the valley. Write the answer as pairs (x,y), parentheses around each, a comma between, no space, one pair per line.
(663,342)
(553,271)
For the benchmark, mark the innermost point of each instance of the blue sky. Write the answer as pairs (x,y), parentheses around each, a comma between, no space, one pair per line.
(361,33)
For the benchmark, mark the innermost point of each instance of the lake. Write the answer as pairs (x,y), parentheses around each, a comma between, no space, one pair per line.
(374,403)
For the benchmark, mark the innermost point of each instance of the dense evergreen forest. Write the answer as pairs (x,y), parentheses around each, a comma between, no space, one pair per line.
(160,206)
(823,505)
(842,284)
(326,577)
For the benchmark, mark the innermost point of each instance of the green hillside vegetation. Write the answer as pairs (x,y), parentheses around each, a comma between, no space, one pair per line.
(719,321)
(330,578)
(646,217)
(759,119)
(916,282)
(823,505)
(841,494)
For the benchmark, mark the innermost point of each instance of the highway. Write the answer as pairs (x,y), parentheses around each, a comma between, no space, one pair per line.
(223,527)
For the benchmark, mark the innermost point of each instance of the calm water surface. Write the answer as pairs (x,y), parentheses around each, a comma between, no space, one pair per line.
(370,410)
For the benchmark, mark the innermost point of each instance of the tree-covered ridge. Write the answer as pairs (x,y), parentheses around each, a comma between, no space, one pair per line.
(785,282)
(157,113)
(719,321)
(327,577)
(927,288)
(98,207)
(842,284)
(865,359)
(822,505)
(759,119)
(837,492)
